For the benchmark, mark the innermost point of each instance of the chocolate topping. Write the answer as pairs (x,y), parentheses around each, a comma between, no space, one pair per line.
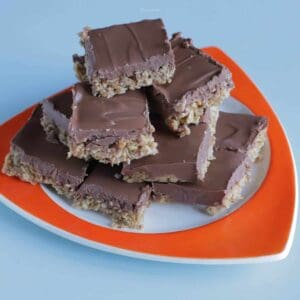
(227,168)
(238,131)
(193,69)
(197,76)
(234,132)
(102,183)
(177,157)
(123,115)
(48,158)
(123,49)
(59,109)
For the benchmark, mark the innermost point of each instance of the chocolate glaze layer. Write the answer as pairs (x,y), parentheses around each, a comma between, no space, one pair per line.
(58,109)
(102,183)
(227,168)
(235,133)
(124,49)
(238,131)
(123,115)
(193,69)
(197,76)
(48,159)
(177,157)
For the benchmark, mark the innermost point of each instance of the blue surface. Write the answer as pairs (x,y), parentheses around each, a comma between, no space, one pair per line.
(37,40)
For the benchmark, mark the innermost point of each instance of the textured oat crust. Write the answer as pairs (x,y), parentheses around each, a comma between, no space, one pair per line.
(143,177)
(120,217)
(80,71)
(53,131)
(124,150)
(14,166)
(109,87)
(192,113)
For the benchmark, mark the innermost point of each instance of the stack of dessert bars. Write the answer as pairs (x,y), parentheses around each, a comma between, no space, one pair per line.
(141,125)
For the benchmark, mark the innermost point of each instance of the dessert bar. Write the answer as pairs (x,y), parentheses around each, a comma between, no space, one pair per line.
(103,191)
(34,159)
(125,57)
(179,159)
(110,131)
(235,154)
(199,82)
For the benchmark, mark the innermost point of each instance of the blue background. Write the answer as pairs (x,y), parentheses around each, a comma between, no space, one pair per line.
(37,41)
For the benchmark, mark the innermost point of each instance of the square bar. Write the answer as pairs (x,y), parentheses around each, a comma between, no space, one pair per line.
(199,82)
(125,57)
(34,159)
(124,203)
(179,159)
(238,147)
(114,131)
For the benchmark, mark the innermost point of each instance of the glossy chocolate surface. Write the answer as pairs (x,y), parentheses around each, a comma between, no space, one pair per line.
(197,77)
(123,49)
(122,115)
(176,158)
(50,159)
(104,183)
(238,131)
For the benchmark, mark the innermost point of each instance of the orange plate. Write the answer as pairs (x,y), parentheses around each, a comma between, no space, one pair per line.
(261,230)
